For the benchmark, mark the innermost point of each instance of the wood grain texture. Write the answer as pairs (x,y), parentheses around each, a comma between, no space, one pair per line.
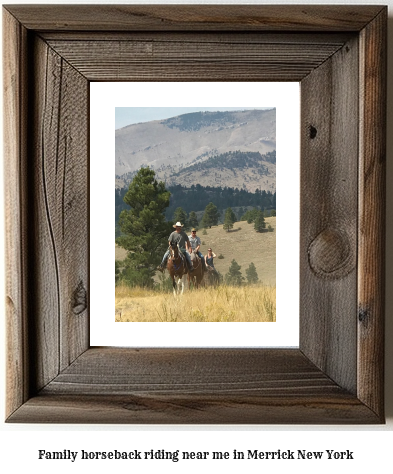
(56,199)
(14,73)
(195,17)
(128,409)
(201,37)
(193,386)
(60,192)
(329,168)
(185,371)
(372,189)
(216,60)
(52,374)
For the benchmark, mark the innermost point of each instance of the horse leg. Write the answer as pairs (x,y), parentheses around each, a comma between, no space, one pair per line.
(179,286)
(199,277)
(174,285)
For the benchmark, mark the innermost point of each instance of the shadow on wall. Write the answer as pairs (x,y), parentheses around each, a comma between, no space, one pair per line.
(389,234)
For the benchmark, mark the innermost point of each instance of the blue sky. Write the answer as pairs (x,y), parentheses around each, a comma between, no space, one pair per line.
(129,115)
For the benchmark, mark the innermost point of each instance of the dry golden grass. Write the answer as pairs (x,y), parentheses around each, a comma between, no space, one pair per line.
(248,303)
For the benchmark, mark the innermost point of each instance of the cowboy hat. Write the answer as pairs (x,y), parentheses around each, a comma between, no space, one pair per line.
(178,224)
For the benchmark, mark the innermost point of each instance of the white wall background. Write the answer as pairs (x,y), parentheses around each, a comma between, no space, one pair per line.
(371,445)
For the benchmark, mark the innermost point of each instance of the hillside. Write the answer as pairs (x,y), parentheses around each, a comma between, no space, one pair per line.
(168,146)
(244,245)
(236,169)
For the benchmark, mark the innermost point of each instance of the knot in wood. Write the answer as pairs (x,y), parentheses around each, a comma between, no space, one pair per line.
(313,132)
(330,254)
(80,299)
(363,315)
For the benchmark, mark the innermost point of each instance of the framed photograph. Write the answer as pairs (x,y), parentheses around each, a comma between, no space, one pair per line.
(52,55)
(210,135)
(214,204)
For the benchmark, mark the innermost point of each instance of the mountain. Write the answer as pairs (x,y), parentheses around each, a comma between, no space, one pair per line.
(236,169)
(207,148)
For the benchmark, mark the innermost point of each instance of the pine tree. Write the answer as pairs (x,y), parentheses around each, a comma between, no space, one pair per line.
(210,216)
(259,223)
(234,276)
(250,215)
(193,220)
(180,215)
(145,231)
(251,273)
(229,219)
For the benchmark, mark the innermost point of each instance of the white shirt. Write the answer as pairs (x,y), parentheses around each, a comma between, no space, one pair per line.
(194,241)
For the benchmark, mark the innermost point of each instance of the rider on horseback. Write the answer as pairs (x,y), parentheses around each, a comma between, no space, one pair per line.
(213,276)
(195,243)
(180,238)
(209,260)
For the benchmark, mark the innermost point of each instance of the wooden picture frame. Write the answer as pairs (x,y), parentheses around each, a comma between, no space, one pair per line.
(338,54)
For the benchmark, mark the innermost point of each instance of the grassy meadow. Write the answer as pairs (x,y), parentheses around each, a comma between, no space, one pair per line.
(248,303)
(243,244)
(224,303)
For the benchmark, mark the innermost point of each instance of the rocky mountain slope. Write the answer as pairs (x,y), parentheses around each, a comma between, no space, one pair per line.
(181,149)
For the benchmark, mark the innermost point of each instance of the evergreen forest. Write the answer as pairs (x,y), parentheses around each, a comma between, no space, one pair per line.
(197,197)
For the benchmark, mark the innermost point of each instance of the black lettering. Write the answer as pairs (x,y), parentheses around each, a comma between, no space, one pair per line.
(238,454)
(219,455)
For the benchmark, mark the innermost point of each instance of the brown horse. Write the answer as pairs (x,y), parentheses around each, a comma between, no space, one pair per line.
(177,267)
(211,277)
(197,275)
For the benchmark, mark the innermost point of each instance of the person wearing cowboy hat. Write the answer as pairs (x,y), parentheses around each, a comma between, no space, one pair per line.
(179,237)
(195,243)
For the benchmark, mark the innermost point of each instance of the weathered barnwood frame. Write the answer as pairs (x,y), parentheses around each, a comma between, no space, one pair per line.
(338,54)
